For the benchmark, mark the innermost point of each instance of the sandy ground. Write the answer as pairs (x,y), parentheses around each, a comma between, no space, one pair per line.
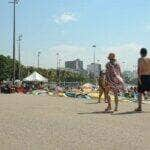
(51,123)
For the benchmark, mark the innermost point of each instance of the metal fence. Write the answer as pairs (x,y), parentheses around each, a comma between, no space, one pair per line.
(52,85)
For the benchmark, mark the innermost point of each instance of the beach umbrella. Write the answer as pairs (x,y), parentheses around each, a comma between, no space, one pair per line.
(88,85)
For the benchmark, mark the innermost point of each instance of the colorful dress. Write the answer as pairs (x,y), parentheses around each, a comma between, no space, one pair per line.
(114,78)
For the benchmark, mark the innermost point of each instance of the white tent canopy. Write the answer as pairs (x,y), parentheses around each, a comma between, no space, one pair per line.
(35,77)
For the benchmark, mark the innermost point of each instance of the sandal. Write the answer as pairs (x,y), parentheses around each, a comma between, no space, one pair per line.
(116,109)
(108,109)
(138,109)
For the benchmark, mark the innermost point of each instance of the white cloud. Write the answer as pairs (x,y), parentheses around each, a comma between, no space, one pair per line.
(65,17)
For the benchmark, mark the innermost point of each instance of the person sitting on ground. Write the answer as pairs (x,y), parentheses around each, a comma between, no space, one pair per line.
(114,80)
(143,76)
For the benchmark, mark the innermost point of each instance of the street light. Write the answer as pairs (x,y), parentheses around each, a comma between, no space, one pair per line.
(14,2)
(94,47)
(57,72)
(135,71)
(57,54)
(123,65)
(19,55)
(39,53)
(59,64)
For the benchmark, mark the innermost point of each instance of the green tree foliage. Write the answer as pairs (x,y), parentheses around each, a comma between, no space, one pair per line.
(6,70)
(6,65)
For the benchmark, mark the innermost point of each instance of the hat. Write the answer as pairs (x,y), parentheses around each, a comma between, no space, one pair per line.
(112,56)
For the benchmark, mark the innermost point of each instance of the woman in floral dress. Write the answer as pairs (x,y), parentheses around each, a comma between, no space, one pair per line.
(114,79)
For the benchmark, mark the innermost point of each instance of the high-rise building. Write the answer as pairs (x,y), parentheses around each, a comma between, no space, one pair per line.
(76,65)
(90,69)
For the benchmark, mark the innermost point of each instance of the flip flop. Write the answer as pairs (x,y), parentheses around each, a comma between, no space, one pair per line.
(116,109)
(108,110)
(138,109)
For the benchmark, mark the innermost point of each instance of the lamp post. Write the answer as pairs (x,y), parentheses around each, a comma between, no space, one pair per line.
(123,65)
(39,53)
(59,63)
(14,2)
(19,55)
(57,55)
(94,47)
(135,71)
(57,70)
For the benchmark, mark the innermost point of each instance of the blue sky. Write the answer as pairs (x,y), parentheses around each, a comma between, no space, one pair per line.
(71,27)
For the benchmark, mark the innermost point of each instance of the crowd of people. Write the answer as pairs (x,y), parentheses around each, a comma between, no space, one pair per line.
(131,92)
(19,87)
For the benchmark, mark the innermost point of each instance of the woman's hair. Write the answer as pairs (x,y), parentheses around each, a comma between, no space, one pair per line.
(143,52)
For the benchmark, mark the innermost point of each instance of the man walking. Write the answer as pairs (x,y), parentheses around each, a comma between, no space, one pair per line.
(143,76)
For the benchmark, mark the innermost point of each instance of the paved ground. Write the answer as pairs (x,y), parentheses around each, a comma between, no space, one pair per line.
(50,123)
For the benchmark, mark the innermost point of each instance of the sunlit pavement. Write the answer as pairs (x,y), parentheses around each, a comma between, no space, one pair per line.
(51,123)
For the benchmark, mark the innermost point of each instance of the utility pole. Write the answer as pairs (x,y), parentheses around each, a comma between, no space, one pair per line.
(57,72)
(14,2)
(123,66)
(19,55)
(39,53)
(59,63)
(94,47)
(57,54)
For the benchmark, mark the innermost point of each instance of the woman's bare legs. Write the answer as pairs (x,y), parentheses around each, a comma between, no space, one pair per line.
(116,101)
(139,102)
(105,95)
(101,91)
(108,100)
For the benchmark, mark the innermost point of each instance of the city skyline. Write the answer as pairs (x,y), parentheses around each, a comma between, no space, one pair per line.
(71,28)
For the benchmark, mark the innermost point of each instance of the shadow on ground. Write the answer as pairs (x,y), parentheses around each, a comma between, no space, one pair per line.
(114,113)
(93,103)
(130,113)
(95,112)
